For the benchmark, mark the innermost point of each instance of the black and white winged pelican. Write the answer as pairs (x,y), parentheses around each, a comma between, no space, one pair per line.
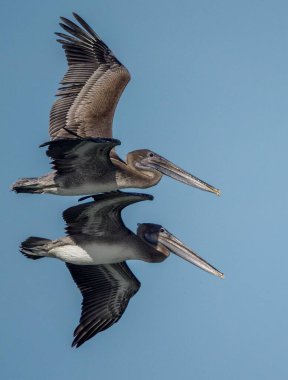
(95,250)
(81,127)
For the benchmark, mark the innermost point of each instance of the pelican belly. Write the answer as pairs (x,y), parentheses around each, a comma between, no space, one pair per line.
(87,188)
(107,253)
(85,183)
(93,253)
(72,254)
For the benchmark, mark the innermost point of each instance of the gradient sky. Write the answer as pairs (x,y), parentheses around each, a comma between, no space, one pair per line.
(209,91)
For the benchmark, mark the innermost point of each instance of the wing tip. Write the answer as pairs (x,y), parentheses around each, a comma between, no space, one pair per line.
(118,194)
(76,344)
(75,15)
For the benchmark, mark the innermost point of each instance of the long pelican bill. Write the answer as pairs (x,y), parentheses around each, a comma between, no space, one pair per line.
(177,247)
(168,168)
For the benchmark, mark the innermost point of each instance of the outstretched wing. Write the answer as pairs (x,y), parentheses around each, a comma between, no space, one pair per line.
(106,291)
(91,87)
(102,216)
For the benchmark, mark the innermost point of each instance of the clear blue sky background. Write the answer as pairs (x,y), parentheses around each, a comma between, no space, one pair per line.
(209,91)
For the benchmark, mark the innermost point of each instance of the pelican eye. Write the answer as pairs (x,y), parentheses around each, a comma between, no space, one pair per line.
(162,229)
(151,154)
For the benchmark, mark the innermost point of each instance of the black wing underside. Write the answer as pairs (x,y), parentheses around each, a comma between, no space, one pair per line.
(82,159)
(106,291)
(102,216)
(91,87)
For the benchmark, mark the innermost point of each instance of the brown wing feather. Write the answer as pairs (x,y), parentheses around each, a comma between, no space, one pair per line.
(91,87)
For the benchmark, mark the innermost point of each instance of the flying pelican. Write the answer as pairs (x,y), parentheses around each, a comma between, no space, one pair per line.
(95,251)
(84,112)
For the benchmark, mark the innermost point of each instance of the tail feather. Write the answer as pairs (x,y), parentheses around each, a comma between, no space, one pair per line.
(34,247)
(28,185)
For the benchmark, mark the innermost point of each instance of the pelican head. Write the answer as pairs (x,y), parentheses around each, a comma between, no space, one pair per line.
(164,242)
(154,166)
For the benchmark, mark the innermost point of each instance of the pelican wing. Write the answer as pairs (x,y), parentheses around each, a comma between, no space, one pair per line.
(82,158)
(91,87)
(106,291)
(101,216)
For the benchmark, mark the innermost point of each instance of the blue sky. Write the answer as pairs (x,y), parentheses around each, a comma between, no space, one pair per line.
(209,91)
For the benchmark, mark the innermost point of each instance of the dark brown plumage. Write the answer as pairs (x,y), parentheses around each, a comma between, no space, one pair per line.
(106,291)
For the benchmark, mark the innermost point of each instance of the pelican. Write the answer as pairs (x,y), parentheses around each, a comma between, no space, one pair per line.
(95,251)
(83,113)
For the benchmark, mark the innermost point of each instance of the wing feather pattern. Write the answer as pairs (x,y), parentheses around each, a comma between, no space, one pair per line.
(101,216)
(82,158)
(106,291)
(91,87)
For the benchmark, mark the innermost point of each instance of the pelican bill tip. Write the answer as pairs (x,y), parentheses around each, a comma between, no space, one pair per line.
(217,192)
(217,273)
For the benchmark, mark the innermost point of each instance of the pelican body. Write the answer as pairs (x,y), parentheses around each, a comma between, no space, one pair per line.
(95,250)
(85,166)
(83,113)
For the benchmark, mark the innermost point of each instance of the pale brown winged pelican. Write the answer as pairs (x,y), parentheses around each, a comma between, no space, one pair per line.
(95,250)
(90,91)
